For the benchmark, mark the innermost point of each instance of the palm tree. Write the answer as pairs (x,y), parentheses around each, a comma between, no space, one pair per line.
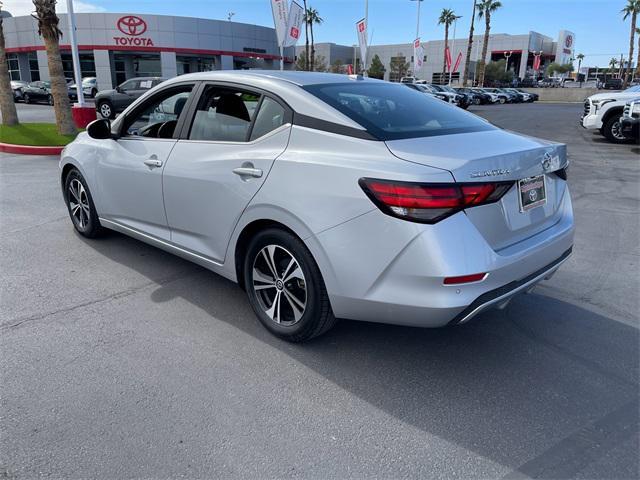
(485,9)
(50,32)
(312,17)
(612,65)
(467,61)
(580,57)
(447,17)
(7,105)
(630,10)
(306,38)
(637,75)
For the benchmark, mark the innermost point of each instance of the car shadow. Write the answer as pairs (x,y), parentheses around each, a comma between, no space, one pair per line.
(545,387)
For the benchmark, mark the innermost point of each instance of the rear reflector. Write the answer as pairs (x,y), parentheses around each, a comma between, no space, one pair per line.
(475,277)
(430,202)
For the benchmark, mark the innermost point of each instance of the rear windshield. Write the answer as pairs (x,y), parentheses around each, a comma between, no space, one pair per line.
(392,112)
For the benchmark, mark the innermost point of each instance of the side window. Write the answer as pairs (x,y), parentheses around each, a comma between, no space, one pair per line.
(224,115)
(158,117)
(270,116)
(128,85)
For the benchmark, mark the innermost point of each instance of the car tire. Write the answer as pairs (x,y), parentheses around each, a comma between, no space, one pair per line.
(50,99)
(80,205)
(502,101)
(27,98)
(612,130)
(285,287)
(106,109)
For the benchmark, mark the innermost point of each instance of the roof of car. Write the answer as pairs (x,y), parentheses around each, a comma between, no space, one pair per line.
(291,76)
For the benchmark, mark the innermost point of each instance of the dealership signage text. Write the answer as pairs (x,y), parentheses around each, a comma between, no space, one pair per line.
(133,27)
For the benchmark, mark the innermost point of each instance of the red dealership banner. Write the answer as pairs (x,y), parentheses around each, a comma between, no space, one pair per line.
(536,63)
(448,56)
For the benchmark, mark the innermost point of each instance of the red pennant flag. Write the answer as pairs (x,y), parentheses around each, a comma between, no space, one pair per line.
(448,54)
(536,63)
(349,69)
(458,60)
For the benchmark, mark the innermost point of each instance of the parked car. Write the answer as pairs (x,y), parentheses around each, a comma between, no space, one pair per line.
(110,102)
(477,97)
(408,80)
(426,91)
(523,96)
(612,84)
(325,198)
(446,96)
(454,97)
(533,97)
(462,100)
(40,91)
(630,120)
(602,112)
(89,87)
(493,97)
(17,87)
(502,97)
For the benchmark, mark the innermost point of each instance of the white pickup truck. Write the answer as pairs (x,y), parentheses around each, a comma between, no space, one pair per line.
(603,111)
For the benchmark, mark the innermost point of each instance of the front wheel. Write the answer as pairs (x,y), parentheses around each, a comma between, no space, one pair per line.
(502,101)
(285,287)
(80,205)
(50,99)
(612,130)
(27,98)
(106,110)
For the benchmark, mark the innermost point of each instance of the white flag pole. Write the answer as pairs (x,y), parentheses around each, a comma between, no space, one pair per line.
(73,40)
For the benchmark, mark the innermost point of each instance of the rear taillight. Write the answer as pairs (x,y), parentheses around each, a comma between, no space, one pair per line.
(430,202)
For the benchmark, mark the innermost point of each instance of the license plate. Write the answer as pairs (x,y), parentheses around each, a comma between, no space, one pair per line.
(532,192)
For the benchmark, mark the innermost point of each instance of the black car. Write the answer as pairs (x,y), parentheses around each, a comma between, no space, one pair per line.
(16,87)
(462,100)
(630,120)
(613,84)
(477,97)
(534,96)
(40,91)
(110,102)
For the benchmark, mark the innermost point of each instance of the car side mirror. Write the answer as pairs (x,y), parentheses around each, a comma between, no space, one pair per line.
(99,129)
(118,89)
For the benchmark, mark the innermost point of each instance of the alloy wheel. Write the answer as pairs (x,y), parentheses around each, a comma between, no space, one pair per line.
(279,285)
(105,110)
(79,203)
(616,131)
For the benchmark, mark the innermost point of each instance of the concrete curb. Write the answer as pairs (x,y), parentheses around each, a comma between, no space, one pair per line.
(29,149)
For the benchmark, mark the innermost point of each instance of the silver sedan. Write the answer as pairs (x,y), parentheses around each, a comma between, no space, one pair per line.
(327,196)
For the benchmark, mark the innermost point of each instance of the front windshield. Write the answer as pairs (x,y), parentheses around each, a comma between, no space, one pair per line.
(392,111)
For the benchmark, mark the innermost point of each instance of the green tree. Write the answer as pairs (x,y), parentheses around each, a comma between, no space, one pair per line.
(613,63)
(50,32)
(495,72)
(337,67)
(302,64)
(485,9)
(7,105)
(311,18)
(398,67)
(631,9)
(580,58)
(447,17)
(376,70)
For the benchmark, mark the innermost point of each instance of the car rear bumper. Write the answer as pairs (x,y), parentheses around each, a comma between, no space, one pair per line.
(387,270)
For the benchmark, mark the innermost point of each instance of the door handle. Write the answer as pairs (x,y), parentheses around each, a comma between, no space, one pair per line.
(153,163)
(248,172)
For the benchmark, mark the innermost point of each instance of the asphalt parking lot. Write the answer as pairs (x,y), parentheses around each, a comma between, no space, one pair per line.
(118,360)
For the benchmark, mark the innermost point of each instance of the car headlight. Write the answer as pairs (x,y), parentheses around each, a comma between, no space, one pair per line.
(601,103)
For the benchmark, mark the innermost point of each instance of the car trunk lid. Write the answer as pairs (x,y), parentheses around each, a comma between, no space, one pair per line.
(496,156)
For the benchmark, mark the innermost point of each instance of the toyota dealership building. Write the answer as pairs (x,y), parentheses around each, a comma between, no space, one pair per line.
(115,47)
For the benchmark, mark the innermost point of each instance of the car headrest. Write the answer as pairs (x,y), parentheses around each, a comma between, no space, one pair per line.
(233,106)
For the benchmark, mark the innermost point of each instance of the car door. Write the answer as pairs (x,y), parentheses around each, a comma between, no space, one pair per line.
(222,158)
(129,168)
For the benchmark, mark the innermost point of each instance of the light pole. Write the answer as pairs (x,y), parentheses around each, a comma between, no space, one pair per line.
(418,18)
(73,40)
(453,46)
(507,55)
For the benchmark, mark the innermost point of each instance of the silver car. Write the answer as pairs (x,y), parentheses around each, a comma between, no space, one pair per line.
(327,196)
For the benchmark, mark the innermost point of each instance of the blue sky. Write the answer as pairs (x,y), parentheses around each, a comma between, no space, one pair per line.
(600,31)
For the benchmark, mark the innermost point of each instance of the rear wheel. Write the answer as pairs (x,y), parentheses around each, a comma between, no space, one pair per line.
(502,100)
(612,130)
(285,287)
(27,98)
(50,99)
(80,205)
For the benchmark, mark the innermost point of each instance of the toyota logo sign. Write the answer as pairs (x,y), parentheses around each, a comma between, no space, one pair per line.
(131,25)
